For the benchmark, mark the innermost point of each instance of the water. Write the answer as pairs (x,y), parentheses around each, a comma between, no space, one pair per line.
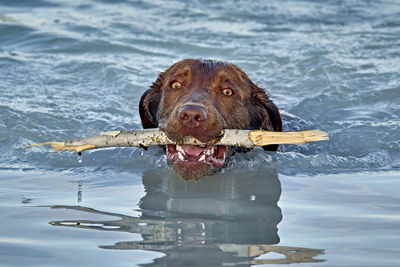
(71,69)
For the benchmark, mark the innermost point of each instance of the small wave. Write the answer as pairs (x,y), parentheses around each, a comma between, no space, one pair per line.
(296,163)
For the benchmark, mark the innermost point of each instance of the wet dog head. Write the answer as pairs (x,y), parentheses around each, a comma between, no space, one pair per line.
(200,98)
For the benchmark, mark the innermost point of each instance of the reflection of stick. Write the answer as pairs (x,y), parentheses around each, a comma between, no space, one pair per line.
(288,254)
(161,235)
(151,137)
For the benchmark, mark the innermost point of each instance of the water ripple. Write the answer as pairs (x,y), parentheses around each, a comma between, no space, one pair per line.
(334,66)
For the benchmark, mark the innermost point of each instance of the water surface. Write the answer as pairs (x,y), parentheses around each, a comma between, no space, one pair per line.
(71,69)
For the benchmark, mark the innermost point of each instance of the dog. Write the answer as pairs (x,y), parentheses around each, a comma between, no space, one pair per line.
(200,98)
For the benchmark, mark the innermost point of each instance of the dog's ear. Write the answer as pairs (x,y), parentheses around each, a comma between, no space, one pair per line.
(267,114)
(148,105)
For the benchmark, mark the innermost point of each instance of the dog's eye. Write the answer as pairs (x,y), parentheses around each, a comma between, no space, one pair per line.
(227,91)
(176,85)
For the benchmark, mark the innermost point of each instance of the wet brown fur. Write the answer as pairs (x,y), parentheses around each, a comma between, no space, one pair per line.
(249,107)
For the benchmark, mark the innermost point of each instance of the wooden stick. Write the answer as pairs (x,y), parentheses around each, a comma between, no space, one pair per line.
(152,137)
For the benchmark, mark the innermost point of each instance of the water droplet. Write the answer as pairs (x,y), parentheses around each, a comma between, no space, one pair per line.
(80,183)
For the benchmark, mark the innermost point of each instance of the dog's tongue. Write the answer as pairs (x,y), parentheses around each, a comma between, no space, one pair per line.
(193,151)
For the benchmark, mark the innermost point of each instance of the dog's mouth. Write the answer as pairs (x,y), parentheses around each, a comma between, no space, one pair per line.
(190,154)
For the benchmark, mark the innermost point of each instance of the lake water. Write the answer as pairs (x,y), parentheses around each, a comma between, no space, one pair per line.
(71,69)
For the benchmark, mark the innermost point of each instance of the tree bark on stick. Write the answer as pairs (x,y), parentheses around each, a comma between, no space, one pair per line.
(151,137)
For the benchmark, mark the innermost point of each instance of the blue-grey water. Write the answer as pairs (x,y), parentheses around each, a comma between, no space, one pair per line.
(71,69)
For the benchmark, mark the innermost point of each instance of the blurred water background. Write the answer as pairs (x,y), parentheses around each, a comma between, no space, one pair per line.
(71,69)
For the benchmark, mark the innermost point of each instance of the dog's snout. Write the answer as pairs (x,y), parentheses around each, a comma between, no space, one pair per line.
(192,116)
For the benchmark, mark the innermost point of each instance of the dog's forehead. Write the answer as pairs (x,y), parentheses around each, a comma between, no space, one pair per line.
(209,70)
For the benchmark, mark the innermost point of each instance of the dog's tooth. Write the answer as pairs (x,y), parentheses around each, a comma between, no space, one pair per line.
(212,150)
(202,158)
(180,149)
(180,156)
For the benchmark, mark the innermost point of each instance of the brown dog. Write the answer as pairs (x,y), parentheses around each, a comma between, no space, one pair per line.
(200,98)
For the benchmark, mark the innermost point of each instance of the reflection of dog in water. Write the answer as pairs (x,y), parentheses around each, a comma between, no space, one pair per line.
(229,220)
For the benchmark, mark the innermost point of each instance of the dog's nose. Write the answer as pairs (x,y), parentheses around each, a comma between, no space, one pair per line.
(192,116)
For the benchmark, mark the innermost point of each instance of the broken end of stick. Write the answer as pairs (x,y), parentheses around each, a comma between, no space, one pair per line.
(60,146)
(263,138)
(315,135)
